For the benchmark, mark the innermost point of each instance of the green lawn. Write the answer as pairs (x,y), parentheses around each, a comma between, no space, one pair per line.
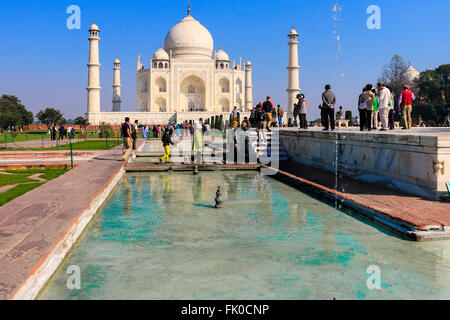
(88,145)
(24,182)
(6,179)
(22,137)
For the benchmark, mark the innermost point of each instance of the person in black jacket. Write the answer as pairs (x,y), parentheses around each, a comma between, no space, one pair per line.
(167,141)
(260,117)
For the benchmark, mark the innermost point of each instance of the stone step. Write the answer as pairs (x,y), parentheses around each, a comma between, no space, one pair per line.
(266,159)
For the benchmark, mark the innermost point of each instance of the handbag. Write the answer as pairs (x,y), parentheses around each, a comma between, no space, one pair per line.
(362,105)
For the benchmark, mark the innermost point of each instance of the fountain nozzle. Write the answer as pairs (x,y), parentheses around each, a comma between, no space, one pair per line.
(219,199)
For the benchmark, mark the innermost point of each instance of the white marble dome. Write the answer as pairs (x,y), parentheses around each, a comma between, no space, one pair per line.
(222,55)
(160,54)
(411,73)
(189,38)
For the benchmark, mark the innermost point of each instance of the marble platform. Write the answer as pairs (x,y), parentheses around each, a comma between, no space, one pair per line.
(415,161)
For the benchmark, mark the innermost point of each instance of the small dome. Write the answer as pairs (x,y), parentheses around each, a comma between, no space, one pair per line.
(117,60)
(248,63)
(160,54)
(293,32)
(94,27)
(222,55)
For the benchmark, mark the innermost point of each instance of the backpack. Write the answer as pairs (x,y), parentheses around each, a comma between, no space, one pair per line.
(260,115)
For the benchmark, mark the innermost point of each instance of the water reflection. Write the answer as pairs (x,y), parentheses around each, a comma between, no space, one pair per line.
(270,241)
(127,196)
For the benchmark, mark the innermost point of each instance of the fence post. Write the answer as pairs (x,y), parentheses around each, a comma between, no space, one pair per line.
(107,142)
(71,154)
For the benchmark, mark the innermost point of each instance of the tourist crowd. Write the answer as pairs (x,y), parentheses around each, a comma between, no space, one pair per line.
(374,105)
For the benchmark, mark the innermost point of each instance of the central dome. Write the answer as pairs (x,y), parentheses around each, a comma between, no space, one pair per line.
(189,38)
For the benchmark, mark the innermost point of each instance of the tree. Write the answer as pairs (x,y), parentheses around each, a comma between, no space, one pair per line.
(50,117)
(216,122)
(13,112)
(221,122)
(434,93)
(348,116)
(393,73)
(81,121)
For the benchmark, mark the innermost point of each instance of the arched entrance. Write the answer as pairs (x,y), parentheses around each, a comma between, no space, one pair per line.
(192,94)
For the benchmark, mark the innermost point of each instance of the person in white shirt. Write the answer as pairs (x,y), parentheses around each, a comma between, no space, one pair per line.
(383,105)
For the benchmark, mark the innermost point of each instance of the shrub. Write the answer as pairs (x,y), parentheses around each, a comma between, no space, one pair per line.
(106,130)
(221,122)
(348,116)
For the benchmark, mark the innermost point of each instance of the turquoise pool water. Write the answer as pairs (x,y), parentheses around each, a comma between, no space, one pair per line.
(159,238)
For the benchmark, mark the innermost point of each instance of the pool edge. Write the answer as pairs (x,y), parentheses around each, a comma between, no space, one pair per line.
(398,227)
(33,285)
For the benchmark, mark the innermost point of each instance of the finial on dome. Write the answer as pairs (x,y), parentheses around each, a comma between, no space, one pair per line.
(189,9)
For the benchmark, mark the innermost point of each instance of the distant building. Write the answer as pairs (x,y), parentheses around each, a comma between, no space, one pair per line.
(411,74)
(185,80)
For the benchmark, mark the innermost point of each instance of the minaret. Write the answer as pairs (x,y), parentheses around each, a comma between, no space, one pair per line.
(93,89)
(293,68)
(139,64)
(116,87)
(248,86)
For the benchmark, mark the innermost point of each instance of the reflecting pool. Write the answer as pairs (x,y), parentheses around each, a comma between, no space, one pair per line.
(159,237)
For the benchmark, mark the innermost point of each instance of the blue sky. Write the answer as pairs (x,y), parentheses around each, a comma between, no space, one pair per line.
(44,63)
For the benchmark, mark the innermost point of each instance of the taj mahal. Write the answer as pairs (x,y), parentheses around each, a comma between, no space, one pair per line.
(185,80)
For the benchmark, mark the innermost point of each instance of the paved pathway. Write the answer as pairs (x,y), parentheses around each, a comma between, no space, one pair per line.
(32,225)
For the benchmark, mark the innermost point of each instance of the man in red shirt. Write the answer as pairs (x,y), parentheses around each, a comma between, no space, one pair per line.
(405,102)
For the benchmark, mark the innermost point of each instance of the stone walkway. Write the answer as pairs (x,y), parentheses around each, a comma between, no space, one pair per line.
(39,225)
(407,210)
